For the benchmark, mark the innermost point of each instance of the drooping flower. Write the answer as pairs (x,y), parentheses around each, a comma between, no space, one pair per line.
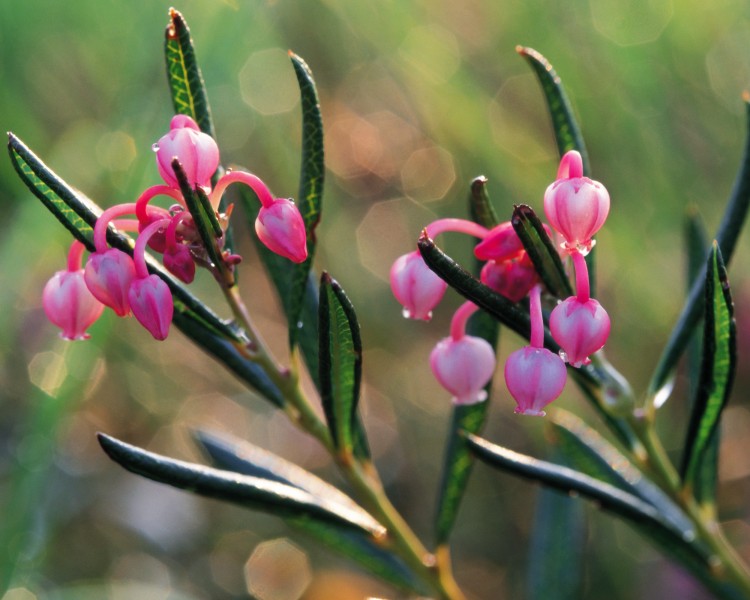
(463,364)
(67,301)
(415,286)
(500,244)
(197,152)
(108,276)
(534,375)
(576,206)
(280,227)
(512,278)
(151,302)
(579,324)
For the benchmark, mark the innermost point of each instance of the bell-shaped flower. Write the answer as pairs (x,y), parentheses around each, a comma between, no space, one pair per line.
(535,377)
(197,152)
(415,286)
(500,244)
(581,328)
(511,278)
(463,367)
(178,261)
(152,304)
(281,228)
(576,206)
(108,276)
(70,305)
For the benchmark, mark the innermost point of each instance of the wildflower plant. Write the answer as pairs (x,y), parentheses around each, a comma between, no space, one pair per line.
(533,279)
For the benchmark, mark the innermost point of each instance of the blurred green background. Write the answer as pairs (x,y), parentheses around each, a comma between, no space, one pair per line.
(418,97)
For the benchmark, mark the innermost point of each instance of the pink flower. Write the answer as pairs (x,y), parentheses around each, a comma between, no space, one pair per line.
(575,205)
(511,278)
(151,302)
(463,367)
(415,286)
(178,261)
(581,328)
(69,304)
(501,243)
(535,377)
(108,276)
(197,152)
(281,228)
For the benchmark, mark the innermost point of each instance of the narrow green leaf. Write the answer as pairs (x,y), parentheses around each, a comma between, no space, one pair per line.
(564,124)
(717,368)
(79,214)
(458,461)
(567,131)
(726,236)
(184,76)
(365,552)
(340,361)
(687,550)
(588,452)
(252,492)
(205,220)
(558,538)
(541,251)
(480,205)
(312,175)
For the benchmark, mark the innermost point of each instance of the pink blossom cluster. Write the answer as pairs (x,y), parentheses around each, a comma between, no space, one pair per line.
(576,208)
(75,298)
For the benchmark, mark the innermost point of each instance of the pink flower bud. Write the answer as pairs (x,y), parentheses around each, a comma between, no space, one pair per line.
(151,301)
(581,328)
(281,228)
(463,367)
(575,205)
(69,304)
(197,152)
(501,243)
(415,286)
(511,278)
(178,261)
(535,377)
(108,276)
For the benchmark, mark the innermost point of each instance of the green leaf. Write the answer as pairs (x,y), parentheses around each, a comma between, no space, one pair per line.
(79,214)
(480,206)
(687,550)
(717,369)
(558,538)
(184,76)
(727,235)
(458,462)
(564,124)
(252,492)
(588,452)
(248,459)
(340,361)
(312,175)
(541,251)
(567,131)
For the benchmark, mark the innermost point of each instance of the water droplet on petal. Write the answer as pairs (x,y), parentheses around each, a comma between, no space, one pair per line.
(155,147)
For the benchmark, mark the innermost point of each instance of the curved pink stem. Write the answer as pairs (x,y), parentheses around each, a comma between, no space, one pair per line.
(583,291)
(75,256)
(460,318)
(571,166)
(100,229)
(139,253)
(535,315)
(171,234)
(252,181)
(155,190)
(459,225)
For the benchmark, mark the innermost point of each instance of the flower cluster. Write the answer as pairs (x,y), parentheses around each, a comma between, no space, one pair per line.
(576,208)
(73,299)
